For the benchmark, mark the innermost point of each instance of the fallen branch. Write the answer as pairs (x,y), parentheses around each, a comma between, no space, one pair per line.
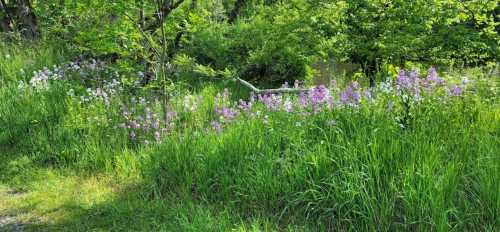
(280,90)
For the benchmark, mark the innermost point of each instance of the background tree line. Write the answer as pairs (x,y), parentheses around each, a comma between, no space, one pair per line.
(264,41)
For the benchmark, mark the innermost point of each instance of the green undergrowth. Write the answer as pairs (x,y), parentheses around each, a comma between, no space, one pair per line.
(353,170)
(66,166)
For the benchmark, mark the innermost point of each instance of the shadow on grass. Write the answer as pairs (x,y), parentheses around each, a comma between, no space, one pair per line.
(76,203)
(128,210)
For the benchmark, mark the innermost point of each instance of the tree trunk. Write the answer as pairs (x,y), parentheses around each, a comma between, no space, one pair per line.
(177,41)
(5,18)
(5,25)
(27,21)
(142,16)
(371,71)
(164,9)
(233,14)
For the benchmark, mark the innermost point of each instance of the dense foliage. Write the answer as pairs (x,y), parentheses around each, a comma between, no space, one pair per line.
(419,152)
(167,115)
(273,41)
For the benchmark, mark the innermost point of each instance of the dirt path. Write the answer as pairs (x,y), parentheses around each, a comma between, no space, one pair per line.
(9,223)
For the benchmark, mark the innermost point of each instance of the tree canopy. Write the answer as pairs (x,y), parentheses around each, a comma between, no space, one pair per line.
(267,41)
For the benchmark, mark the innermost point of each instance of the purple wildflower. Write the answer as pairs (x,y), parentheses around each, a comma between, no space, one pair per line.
(408,83)
(356,97)
(344,96)
(92,65)
(288,105)
(368,95)
(403,81)
(355,85)
(349,96)
(170,115)
(319,95)
(271,101)
(145,125)
(227,113)
(156,124)
(456,91)
(149,113)
(216,126)
(432,80)
(134,125)
(244,105)
(303,101)
(125,113)
(432,73)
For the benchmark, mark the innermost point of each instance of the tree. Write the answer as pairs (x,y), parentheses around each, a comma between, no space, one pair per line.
(235,12)
(28,24)
(18,16)
(386,31)
(5,17)
(425,31)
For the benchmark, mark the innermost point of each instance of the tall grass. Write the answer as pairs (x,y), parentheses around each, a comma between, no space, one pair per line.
(362,173)
(341,169)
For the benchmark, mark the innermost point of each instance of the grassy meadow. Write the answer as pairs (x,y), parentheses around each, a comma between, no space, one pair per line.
(81,152)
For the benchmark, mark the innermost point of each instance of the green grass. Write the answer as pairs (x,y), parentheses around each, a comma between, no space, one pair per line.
(342,169)
(363,173)
(67,202)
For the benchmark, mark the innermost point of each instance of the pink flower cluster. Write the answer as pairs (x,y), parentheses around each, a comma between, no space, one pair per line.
(144,123)
(408,85)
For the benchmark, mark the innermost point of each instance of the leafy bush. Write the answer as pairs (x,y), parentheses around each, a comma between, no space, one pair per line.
(271,42)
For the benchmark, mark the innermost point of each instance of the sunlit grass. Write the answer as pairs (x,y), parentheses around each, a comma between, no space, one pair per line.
(68,166)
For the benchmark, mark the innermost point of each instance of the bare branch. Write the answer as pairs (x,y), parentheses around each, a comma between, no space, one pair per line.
(280,90)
